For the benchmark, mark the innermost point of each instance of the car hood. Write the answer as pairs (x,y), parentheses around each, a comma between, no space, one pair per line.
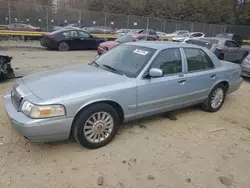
(109,44)
(63,83)
(179,38)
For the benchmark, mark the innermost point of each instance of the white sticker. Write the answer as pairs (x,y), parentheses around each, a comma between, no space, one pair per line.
(141,52)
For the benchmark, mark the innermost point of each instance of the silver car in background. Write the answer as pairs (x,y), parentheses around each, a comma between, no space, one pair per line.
(224,48)
(245,66)
(128,82)
(187,36)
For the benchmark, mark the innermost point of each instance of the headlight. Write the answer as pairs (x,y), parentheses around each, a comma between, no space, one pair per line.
(46,111)
(246,61)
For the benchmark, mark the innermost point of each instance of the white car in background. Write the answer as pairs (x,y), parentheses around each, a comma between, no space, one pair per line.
(187,36)
(161,34)
(122,32)
(177,33)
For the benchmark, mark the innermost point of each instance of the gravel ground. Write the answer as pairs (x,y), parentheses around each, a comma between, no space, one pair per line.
(199,149)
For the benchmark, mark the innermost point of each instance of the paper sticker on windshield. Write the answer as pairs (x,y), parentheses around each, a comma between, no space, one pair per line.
(141,52)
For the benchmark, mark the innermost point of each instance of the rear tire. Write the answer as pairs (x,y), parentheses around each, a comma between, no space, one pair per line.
(221,57)
(63,46)
(215,99)
(96,126)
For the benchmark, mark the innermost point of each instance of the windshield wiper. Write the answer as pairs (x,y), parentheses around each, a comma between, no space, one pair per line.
(109,67)
(94,62)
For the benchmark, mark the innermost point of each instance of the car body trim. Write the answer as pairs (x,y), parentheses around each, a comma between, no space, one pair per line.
(141,105)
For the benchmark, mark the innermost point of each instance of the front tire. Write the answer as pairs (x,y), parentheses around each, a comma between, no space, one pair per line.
(96,126)
(221,57)
(215,99)
(63,46)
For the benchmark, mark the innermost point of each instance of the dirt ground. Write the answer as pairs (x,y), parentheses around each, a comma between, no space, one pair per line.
(200,149)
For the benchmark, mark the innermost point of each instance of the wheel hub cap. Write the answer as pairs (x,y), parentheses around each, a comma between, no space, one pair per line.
(98,127)
(217,98)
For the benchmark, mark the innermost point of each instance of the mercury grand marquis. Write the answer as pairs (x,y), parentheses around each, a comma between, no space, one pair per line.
(131,81)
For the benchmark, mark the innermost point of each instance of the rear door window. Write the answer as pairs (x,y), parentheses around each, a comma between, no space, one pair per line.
(83,34)
(70,33)
(231,44)
(197,60)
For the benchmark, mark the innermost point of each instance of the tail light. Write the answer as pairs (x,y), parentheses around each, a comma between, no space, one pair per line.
(50,37)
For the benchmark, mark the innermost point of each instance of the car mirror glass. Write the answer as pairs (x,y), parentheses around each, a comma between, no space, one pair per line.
(154,72)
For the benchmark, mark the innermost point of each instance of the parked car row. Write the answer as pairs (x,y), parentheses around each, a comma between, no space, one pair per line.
(20,27)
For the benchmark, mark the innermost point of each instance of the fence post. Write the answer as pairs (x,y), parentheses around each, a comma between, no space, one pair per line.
(9,12)
(80,18)
(222,27)
(105,21)
(164,26)
(209,30)
(128,22)
(204,28)
(47,19)
(147,23)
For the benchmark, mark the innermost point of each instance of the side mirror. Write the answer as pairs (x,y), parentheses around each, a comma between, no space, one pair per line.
(90,36)
(154,72)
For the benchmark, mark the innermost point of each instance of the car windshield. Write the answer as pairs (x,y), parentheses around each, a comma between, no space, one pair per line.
(185,35)
(126,38)
(214,41)
(224,35)
(125,59)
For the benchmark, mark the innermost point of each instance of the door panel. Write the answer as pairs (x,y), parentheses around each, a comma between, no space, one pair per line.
(156,95)
(201,75)
(87,42)
(72,39)
(199,83)
(232,51)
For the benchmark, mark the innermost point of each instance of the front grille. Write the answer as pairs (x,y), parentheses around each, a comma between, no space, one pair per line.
(16,99)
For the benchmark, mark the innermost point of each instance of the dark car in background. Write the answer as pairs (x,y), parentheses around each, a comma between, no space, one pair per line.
(150,32)
(237,38)
(105,46)
(70,39)
(22,27)
(224,48)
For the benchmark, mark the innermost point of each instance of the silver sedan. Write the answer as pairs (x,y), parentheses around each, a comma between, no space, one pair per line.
(129,82)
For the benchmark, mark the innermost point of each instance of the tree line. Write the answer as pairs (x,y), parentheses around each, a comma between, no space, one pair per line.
(208,11)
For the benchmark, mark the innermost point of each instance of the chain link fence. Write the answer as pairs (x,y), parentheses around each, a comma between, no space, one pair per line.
(47,16)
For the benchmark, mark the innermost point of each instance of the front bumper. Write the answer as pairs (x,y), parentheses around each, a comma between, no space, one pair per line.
(245,70)
(37,130)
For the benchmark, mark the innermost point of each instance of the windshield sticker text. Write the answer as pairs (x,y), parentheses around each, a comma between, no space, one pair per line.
(141,52)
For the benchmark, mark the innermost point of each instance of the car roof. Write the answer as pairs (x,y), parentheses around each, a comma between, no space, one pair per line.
(195,32)
(135,35)
(160,45)
(220,39)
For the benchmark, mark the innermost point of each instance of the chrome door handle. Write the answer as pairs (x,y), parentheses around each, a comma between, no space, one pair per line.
(213,76)
(182,82)
(82,39)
